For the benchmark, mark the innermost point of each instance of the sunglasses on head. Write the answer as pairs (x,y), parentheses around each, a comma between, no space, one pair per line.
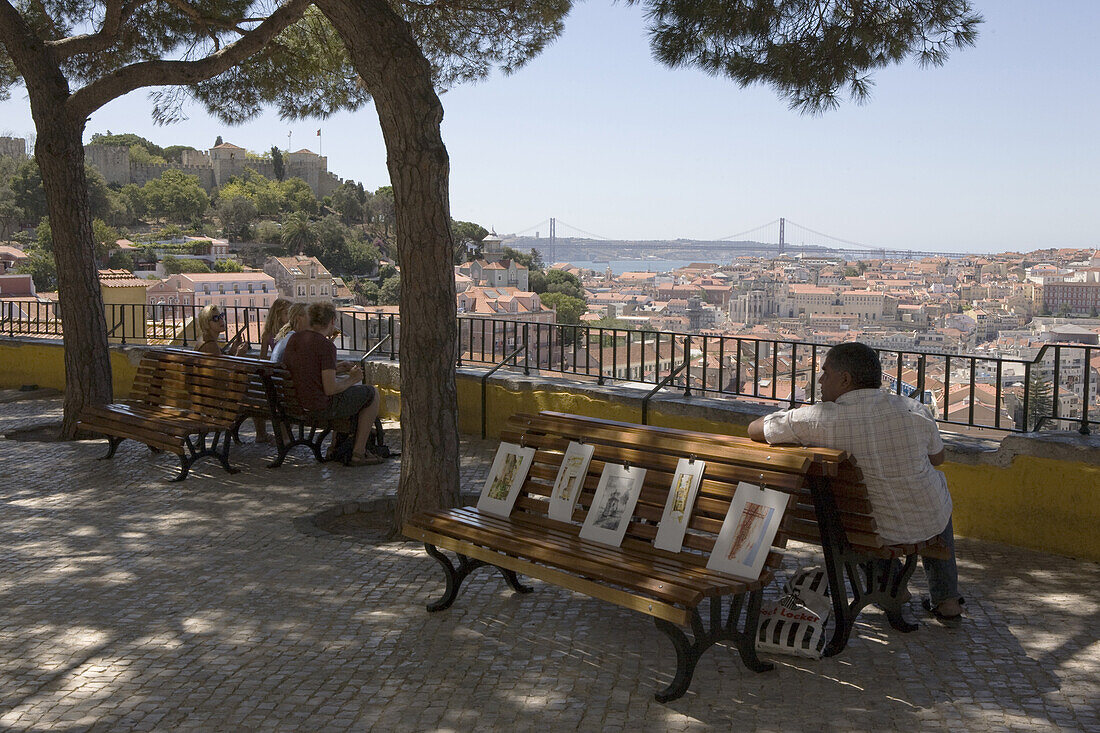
(217,317)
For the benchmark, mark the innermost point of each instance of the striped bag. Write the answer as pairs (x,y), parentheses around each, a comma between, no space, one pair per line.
(795,624)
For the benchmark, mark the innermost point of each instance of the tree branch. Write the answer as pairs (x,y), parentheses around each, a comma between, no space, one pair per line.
(87,100)
(115,13)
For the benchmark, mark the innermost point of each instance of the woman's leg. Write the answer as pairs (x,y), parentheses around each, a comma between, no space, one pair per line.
(363,426)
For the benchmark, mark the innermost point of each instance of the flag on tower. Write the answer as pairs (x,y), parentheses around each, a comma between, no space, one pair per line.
(318,132)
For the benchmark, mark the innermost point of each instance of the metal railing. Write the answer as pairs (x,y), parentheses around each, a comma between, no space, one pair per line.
(1056,388)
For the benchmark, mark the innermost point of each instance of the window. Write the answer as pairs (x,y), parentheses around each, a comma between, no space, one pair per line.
(324,290)
(312,290)
(301,290)
(251,301)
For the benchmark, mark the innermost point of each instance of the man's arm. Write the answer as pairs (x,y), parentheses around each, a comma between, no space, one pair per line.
(937,458)
(756,430)
(332,385)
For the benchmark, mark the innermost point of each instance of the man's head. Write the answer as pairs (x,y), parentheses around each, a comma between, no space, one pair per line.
(321,316)
(849,366)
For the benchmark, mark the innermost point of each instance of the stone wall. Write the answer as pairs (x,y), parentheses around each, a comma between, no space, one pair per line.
(114,163)
(13,147)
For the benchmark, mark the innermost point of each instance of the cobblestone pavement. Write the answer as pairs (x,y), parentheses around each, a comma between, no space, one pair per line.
(131,603)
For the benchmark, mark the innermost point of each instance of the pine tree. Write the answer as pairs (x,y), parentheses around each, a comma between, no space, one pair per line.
(68,75)
(1040,395)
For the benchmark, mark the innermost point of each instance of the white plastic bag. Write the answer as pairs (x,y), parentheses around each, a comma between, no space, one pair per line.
(795,624)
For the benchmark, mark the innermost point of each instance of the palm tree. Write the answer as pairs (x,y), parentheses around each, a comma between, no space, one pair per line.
(297,233)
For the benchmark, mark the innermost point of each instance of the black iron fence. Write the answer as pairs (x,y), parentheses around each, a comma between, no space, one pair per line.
(1057,388)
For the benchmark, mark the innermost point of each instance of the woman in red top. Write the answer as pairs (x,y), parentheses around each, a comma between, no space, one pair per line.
(311,358)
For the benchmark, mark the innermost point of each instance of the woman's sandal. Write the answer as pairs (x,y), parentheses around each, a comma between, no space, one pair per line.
(367,459)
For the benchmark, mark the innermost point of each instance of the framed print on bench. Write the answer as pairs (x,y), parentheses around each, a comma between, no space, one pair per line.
(613,505)
(508,472)
(681,498)
(747,533)
(570,480)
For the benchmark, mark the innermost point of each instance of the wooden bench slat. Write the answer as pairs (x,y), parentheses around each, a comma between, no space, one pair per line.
(480,532)
(561,579)
(691,568)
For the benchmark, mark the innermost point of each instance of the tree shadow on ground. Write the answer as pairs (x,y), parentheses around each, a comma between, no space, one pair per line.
(126,600)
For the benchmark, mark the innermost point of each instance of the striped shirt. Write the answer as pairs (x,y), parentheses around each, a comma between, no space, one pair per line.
(890,438)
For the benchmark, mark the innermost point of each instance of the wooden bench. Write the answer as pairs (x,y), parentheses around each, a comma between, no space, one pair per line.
(672,587)
(271,396)
(183,402)
(832,510)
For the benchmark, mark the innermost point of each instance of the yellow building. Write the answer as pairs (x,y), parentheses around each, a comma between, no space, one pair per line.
(123,305)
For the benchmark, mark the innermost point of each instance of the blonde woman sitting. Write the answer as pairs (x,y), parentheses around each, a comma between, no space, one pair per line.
(212,325)
(276,319)
(297,319)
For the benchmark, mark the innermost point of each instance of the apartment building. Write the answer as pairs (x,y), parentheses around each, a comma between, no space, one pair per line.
(179,293)
(301,278)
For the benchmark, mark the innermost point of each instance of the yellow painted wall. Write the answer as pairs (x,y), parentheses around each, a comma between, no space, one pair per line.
(502,403)
(1036,502)
(43,363)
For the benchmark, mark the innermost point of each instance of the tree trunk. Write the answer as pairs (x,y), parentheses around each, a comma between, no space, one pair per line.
(394,69)
(59,152)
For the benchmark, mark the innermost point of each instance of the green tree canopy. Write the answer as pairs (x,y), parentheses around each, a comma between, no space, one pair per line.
(236,214)
(348,201)
(175,195)
(29,196)
(467,236)
(146,149)
(297,235)
(555,281)
(175,265)
(228,266)
(277,164)
(569,309)
(390,291)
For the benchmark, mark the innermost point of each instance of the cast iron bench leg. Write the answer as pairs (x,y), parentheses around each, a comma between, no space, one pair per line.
(454,576)
(688,652)
(112,446)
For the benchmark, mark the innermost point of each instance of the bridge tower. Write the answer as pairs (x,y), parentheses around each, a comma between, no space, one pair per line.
(553,235)
(782,228)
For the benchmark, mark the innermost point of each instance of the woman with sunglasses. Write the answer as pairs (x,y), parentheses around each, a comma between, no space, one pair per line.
(212,325)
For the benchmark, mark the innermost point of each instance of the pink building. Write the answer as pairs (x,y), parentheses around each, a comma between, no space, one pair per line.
(227,289)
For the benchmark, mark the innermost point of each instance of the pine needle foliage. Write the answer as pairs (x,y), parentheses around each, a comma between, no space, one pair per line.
(810,51)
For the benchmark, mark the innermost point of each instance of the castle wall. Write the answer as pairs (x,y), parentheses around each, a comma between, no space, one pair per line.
(213,168)
(112,161)
(13,147)
(142,173)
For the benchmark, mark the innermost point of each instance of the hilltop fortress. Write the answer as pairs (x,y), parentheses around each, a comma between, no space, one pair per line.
(213,167)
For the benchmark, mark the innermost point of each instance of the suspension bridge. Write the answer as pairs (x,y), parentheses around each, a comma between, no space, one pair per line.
(558,240)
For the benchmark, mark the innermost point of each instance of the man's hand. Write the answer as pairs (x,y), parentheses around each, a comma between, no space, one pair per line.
(936,459)
(355,374)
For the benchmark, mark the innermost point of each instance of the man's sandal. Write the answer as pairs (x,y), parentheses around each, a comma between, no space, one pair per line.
(953,620)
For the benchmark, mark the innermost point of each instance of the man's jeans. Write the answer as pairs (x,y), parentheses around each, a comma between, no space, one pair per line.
(943,576)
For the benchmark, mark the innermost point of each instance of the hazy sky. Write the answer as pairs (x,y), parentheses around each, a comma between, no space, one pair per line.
(996,150)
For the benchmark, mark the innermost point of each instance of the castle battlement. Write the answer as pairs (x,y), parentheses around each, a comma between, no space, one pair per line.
(213,167)
(13,147)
